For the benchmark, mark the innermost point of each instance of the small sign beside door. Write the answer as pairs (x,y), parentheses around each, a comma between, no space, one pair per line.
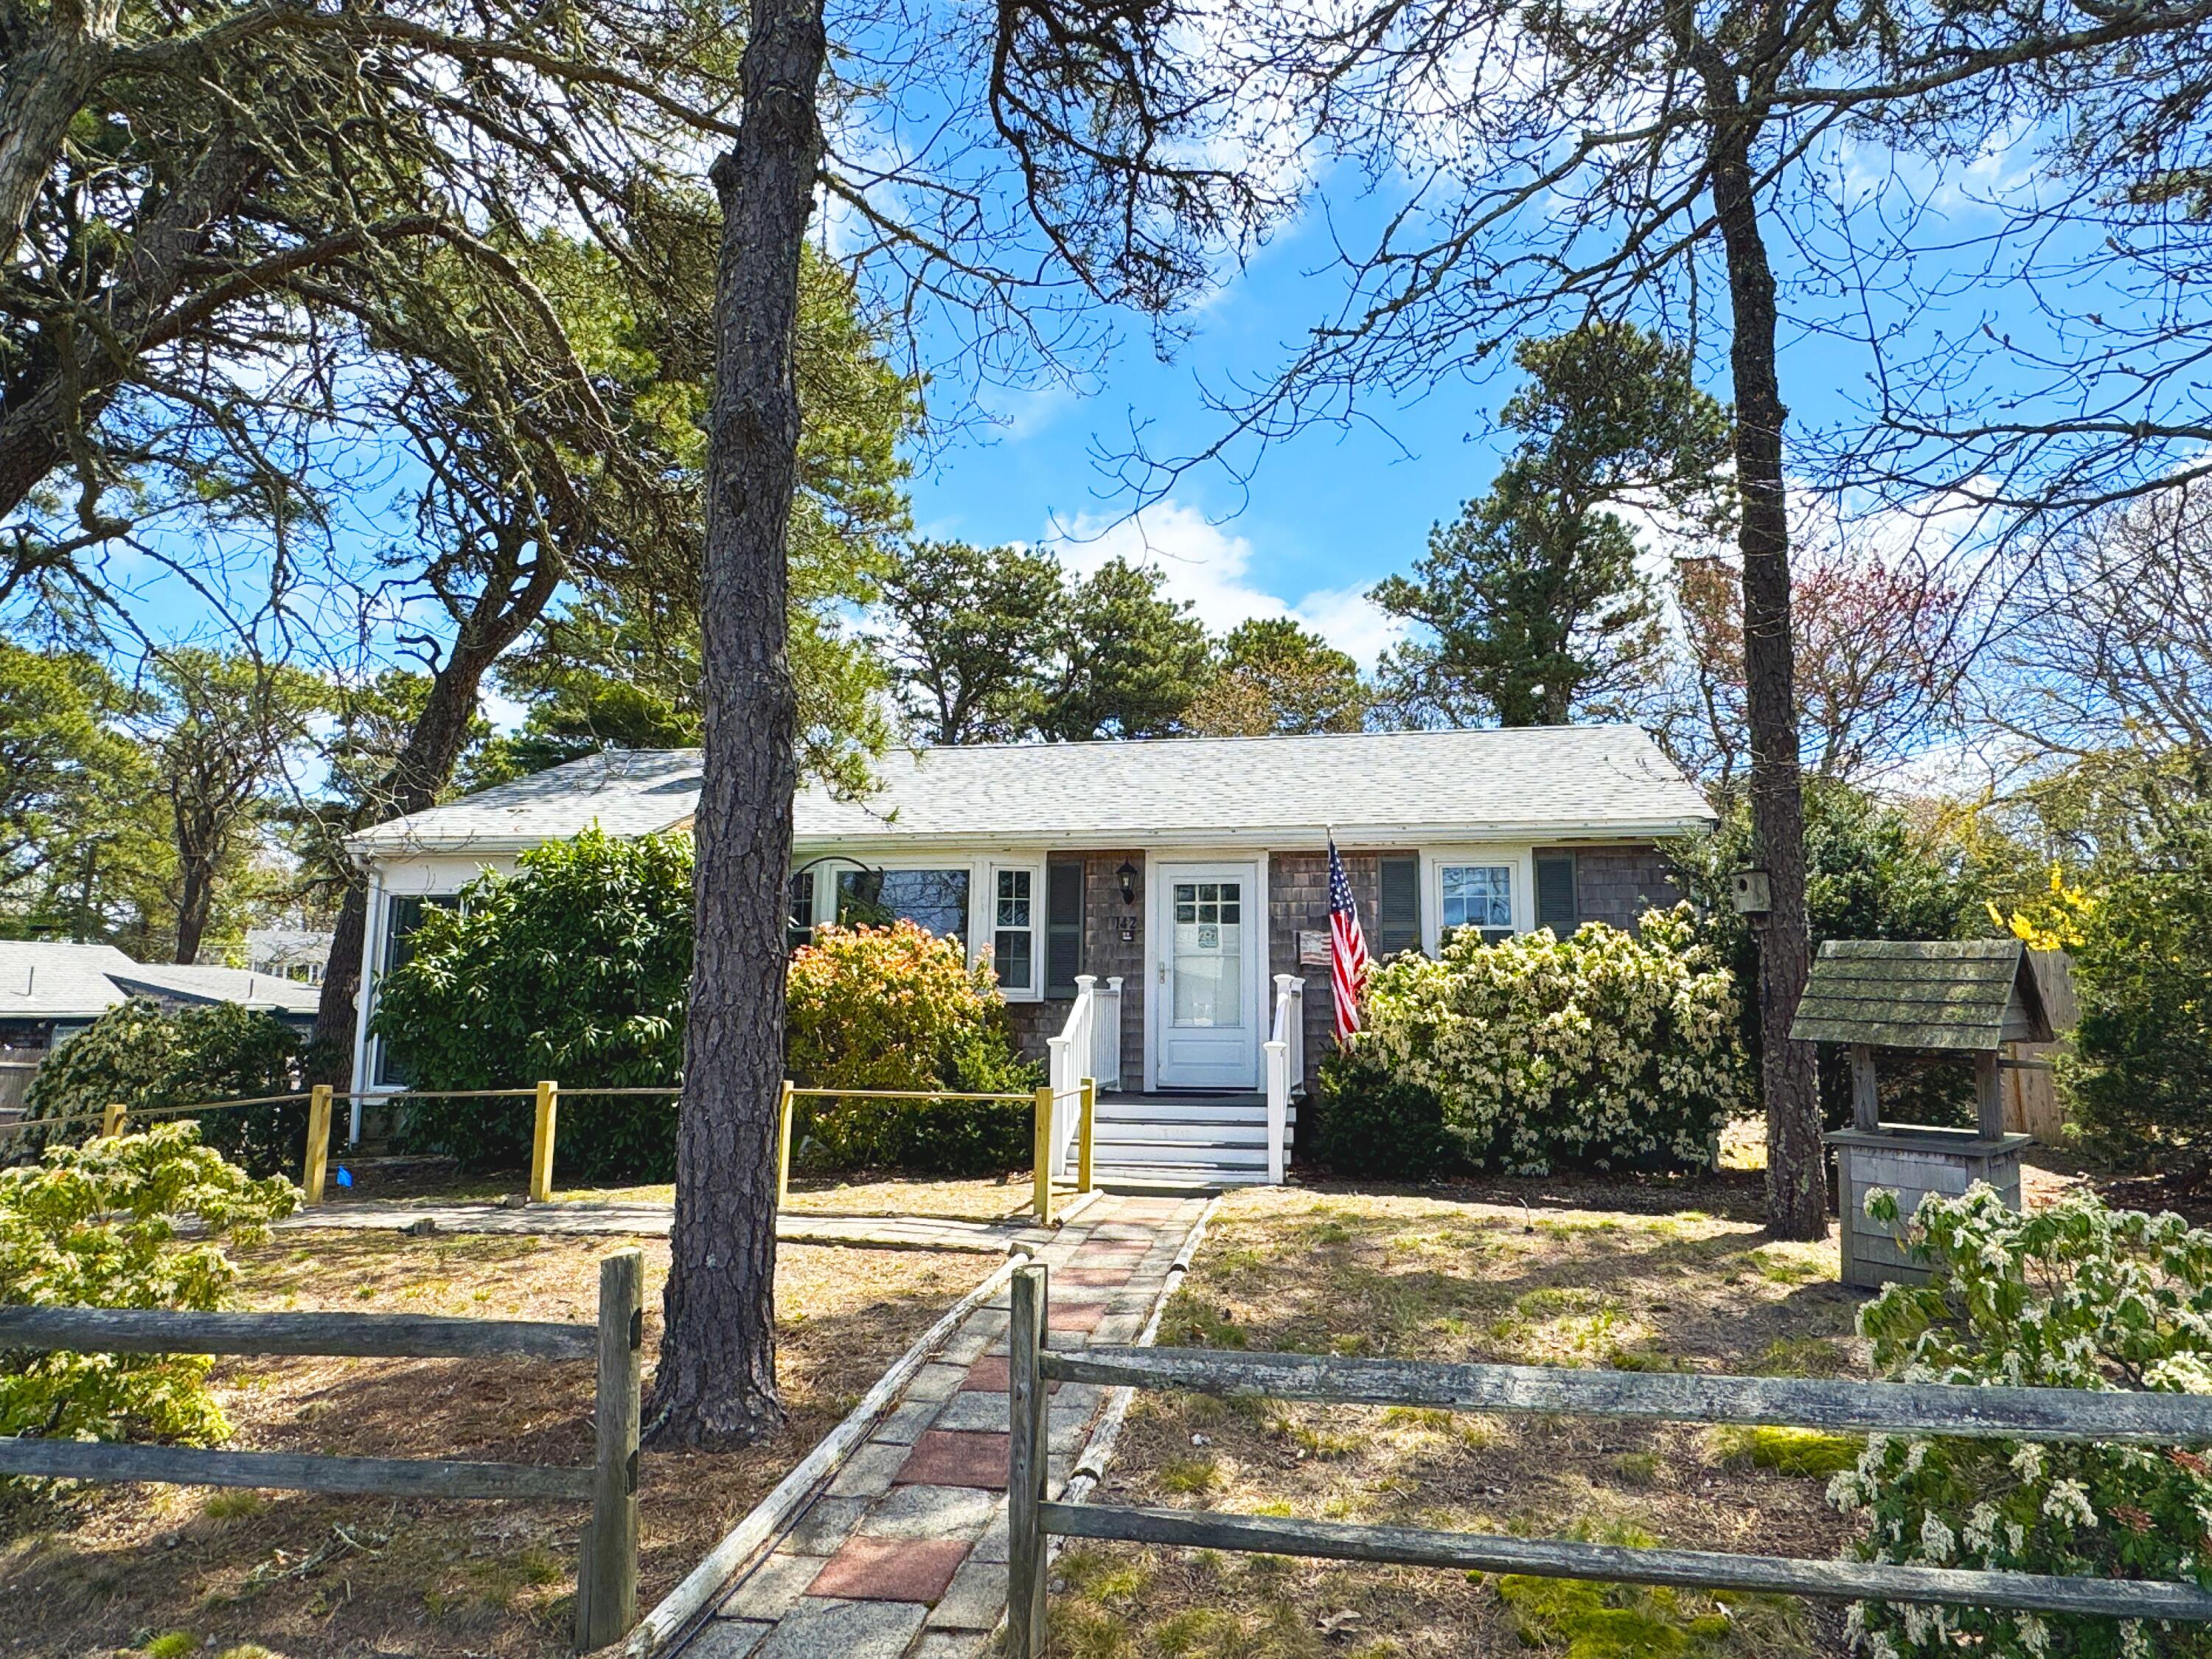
(1313,947)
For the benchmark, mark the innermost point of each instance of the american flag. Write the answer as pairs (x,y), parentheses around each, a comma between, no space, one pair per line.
(1347,948)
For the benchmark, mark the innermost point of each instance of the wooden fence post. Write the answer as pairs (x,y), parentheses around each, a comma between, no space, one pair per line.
(111,1120)
(1041,1199)
(541,1143)
(606,1576)
(783,1145)
(1083,1170)
(317,1163)
(1025,1464)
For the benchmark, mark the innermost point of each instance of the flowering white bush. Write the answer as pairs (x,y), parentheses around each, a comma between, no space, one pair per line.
(1605,1048)
(2077,1295)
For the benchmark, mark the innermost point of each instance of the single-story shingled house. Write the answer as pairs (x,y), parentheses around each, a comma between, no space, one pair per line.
(50,990)
(1158,894)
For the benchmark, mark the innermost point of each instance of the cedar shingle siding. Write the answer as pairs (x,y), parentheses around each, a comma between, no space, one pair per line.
(1618,884)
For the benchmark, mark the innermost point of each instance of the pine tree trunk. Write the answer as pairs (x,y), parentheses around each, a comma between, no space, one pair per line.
(195,900)
(715,1382)
(1796,1183)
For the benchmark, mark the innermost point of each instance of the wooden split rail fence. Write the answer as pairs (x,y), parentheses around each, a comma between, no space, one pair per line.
(546,1123)
(2043,1415)
(606,1574)
(1044,1195)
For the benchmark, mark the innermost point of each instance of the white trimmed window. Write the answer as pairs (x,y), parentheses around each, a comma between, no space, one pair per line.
(1479,895)
(799,926)
(1015,914)
(934,900)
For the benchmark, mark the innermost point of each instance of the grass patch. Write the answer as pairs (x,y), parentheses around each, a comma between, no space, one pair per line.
(1607,1621)
(1802,1356)
(1191,1477)
(1450,1278)
(1811,1454)
(170,1645)
(234,1505)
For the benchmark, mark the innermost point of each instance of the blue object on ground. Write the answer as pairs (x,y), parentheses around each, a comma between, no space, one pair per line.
(345,1176)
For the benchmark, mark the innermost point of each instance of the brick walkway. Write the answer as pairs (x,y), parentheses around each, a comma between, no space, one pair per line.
(585,1218)
(902,1555)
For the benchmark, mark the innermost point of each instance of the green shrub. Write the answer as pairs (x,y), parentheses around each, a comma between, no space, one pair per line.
(2138,1074)
(896,1007)
(1870,872)
(1605,1050)
(576,968)
(1366,1125)
(142,1057)
(97,1226)
(2076,1296)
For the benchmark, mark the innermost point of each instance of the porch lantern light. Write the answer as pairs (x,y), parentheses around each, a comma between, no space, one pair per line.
(1127,875)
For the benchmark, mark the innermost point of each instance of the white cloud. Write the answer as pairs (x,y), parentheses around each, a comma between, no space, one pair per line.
(1212,569)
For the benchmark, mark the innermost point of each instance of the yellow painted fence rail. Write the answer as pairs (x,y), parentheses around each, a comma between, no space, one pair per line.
(546,1096)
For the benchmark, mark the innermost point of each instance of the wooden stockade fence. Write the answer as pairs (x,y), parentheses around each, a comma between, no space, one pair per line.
(606,1573)
(2046,1414)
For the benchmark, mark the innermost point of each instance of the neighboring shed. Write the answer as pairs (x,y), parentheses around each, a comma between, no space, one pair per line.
(1971,997)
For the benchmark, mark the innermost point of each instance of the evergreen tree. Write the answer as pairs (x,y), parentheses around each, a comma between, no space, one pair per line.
(972,630)
(1531,605)
(1271,676)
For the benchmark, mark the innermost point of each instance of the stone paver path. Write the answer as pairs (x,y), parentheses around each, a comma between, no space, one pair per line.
(584,1218)
(902,1555)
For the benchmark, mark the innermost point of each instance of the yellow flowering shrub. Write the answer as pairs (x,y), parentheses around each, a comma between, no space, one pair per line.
(1605,1050)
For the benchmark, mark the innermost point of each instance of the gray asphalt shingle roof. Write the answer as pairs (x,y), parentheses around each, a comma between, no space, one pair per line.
(1554,781)
(40,979)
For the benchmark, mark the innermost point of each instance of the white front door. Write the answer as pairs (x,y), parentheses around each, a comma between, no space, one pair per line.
(1207,929)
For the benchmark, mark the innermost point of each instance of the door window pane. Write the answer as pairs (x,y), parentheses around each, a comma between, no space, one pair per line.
(1479,895)
(1209,963)
(1013,936)
(934,900)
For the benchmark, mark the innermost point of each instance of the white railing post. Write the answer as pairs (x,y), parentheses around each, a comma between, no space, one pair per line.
(1285,1067)
(1278,1106)
(1106,1021)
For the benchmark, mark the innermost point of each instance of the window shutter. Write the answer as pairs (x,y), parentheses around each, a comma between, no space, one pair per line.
(1063,923)
(1398,915)
(1555,894)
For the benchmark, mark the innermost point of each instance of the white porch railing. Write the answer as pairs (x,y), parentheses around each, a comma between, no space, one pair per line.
(1286,1068)
(1089,1046)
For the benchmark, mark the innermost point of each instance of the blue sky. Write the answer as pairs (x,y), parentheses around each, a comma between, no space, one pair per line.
(1322,516)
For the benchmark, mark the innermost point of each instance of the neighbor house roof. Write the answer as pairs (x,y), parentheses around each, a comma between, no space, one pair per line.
(1970,995)
(1538,782)
(41,981)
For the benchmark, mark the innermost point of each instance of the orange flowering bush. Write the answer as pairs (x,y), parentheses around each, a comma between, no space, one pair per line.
(897,1007)
(883,1007)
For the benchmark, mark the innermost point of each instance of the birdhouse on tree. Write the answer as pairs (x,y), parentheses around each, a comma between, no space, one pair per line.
(1932,997)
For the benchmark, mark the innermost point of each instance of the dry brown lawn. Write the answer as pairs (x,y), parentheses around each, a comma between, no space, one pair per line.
(98,1570)
(1529,1271)
(862,1194)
